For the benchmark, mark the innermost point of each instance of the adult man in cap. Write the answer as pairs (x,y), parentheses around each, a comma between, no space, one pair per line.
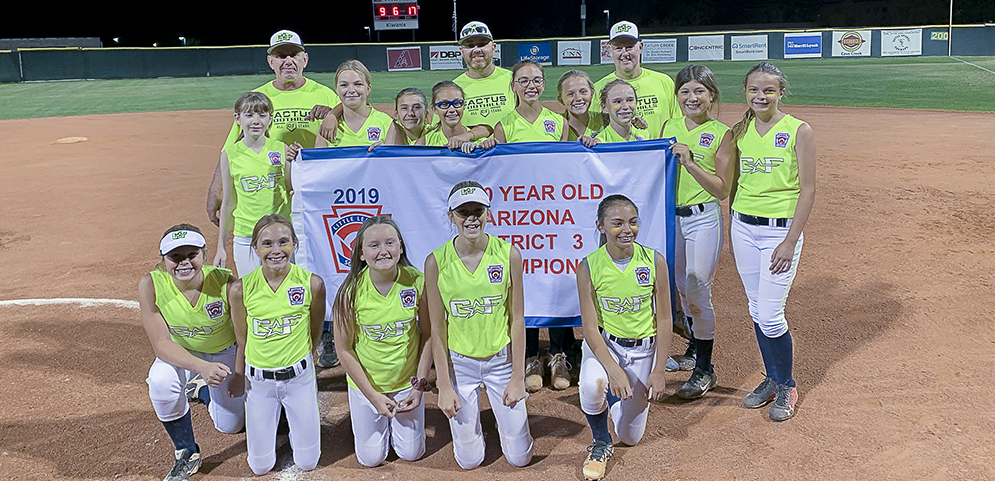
(299,104)
(486,86)
(655,90)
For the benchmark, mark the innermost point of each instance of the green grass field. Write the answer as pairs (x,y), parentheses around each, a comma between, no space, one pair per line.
(935,83)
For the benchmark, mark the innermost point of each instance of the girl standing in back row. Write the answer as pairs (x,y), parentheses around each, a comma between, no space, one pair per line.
(774,196)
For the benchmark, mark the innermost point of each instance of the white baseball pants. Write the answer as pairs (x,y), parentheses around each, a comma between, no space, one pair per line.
(698,242)
(628,415)
(766,292)
(166,383)
(299,398)
(373,433)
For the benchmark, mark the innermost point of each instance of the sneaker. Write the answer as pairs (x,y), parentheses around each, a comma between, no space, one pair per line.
(326,351)
(186,465)
(672,365)
(784,403)
(192,389)
(763,394)
(533,374)
(682,326)
(697,385)
(559,371)
(597,461)
(686,361)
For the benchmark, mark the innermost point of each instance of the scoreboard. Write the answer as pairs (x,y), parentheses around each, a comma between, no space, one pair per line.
(395,15)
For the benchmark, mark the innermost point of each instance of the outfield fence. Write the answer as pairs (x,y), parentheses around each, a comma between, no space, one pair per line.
(42,64)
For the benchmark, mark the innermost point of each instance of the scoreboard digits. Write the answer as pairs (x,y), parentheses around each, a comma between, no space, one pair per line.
(395,14)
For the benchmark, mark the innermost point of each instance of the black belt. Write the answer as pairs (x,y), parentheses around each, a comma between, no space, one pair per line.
(688,210)
(284,374)
(629,342)
(767,221)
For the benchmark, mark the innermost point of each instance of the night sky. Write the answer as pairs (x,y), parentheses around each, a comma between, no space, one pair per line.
(342,21)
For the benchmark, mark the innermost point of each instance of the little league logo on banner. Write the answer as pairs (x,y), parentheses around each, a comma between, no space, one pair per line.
(544,199)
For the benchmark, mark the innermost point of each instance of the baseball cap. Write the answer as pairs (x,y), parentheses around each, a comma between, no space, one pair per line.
(624,29)
(180,238)
(284,37)
(475,29)
(469,194)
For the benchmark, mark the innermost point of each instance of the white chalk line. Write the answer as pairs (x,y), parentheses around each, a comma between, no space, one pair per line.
(973,65)
(81,301)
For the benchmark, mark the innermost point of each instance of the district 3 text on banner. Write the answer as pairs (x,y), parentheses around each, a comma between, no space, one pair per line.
(544,199)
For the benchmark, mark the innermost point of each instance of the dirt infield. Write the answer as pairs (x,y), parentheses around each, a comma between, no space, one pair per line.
(891,313)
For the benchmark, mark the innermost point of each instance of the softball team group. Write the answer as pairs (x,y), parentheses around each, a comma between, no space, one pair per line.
(246,346)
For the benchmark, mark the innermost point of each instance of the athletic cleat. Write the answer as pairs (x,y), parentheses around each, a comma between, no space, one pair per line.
(682,326)
(784,403)
(686,361)
(186,465)
(672,365)
(559,371)
(327,358)
(192,389)
(697,385)
(763,394)
(597,461)
(533,374)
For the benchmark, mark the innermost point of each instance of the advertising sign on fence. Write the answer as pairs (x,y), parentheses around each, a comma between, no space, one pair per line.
(541,52)
(573,53)
(606,53)
(446,57)
(403,59)
(852,43)
(706,47)
(749,47)
(660,51)
(897,43)
(802,45)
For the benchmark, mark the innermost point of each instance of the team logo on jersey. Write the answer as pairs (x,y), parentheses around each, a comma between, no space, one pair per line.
(781,139)
(642,275)
(191,332)
(408,298)
(550,126)
(274,327)
(274,158)
(296,295)
(341,227)
(467,308)
(373,134)
(215,309)
(620,305)
(391,329)
(495,273)
(706,139)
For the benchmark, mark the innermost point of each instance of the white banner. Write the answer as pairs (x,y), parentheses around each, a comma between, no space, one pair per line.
(706,47)
(852,43)
(448,57)
(660,51)
(544,198)
(749,47)
(573,53)
(896,43)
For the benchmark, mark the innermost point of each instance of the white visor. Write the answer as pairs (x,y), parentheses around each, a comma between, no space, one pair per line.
(180,238)
(468,194)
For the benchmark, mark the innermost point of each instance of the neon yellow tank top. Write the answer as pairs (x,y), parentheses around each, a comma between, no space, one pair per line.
(768,170)
(704,143)
(259,184)
(476,301)
(279,322)
(594,124)
(548,127)
(373,130)
(205,326)
(290,109)
(436,138)
(624,298)
(610,136)
(387,335)
(489,99)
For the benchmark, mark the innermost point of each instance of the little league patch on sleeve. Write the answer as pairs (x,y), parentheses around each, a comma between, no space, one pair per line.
(781,139)
(215,309)
(642,276)
(550,126)
(275,158)
(373,134)
(706,139)
(408,298)
(495,273)
(296,295)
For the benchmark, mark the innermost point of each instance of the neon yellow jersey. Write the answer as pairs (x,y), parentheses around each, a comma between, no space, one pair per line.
(204,326)
(488,99)
(289,111)
(625,297)
(387,335)
(373,130)
(258,182)
(768,170)
(609,135)
(548,127)
(476,302)
(594,124)
(436,138)
(656,99)
(279,322)
(703,141)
